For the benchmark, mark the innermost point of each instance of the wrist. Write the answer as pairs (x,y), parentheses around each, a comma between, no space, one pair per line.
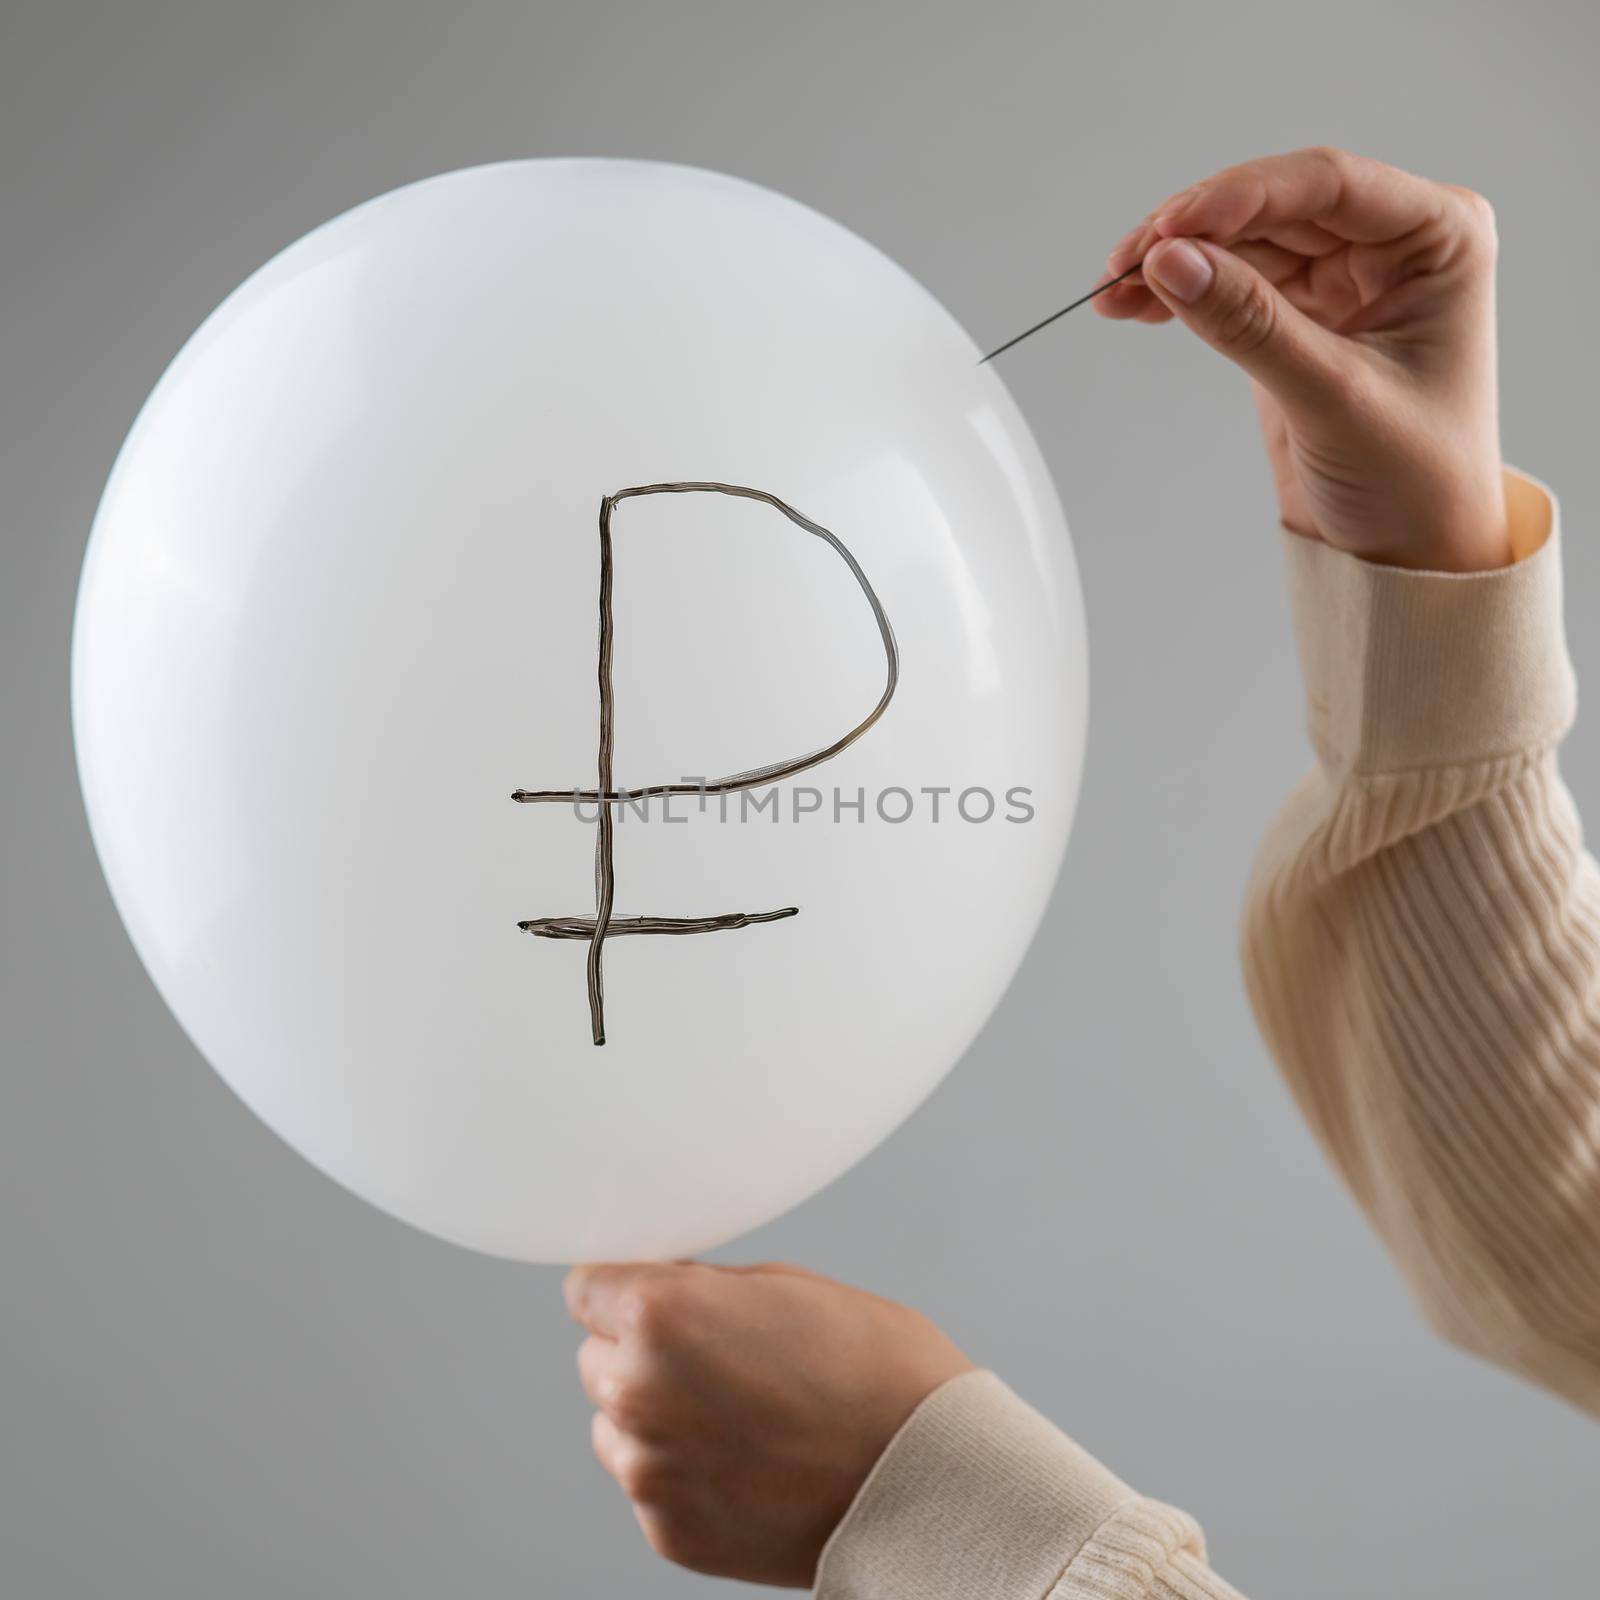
(1475,533)
(1459,528)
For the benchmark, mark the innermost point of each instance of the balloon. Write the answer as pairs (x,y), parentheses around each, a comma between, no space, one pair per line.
(343,599)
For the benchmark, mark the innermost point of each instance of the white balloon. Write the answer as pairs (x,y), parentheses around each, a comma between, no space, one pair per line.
(341,599)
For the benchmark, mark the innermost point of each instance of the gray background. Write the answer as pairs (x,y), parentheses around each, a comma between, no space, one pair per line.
(221,1376)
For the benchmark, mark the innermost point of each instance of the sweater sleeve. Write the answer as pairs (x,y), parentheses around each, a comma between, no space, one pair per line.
(978,1497)
(1421,941)
(1421,945)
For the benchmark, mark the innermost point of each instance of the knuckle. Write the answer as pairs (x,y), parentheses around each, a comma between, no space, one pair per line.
(602,1439)
(1330,156)
(574,1287)
(625,1400)
(1480,218)
(1182,200)
(676,1541)
(619,1453)
(1247,321)
(644,1475)
(646,1311)
(778,1269)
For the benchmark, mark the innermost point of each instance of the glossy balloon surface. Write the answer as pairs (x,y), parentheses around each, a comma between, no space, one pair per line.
(340,601)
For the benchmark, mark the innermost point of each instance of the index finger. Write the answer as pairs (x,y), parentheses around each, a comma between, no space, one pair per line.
(1345,197)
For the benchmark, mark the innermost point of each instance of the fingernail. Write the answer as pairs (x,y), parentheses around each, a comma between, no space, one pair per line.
(1181,268)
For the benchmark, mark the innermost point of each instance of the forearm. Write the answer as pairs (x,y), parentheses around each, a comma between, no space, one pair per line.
(1422,944)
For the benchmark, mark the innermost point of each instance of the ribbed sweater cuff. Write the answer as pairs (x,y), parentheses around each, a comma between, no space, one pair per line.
(1409,670)
(977,1496)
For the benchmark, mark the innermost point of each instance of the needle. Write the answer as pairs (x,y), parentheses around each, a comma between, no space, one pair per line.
(1100,289)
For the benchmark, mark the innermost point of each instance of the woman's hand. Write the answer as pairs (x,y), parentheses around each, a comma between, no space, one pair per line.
(741,1408)
(1360,300)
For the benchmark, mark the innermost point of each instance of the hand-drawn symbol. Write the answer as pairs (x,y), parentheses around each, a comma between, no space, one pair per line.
(598,928)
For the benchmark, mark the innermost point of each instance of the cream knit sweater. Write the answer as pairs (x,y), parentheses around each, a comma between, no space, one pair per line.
(1421,944)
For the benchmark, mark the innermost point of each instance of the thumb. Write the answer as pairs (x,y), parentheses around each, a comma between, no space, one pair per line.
(1235,310)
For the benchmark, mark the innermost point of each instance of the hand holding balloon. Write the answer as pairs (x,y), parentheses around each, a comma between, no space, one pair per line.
(1360,300)
(741,1408)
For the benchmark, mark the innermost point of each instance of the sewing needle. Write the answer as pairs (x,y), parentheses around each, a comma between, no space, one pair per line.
(1098,289)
